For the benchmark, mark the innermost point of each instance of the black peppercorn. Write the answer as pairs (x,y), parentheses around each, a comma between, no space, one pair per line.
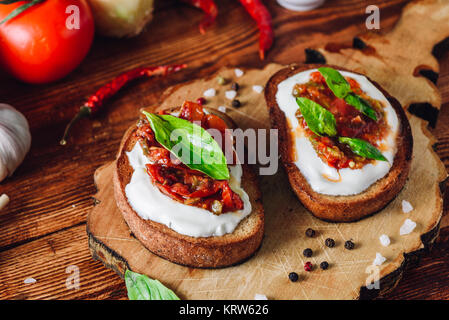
(235,103)
(310,232)
(307,252)
(330,243)
(293,276)
(235,86)
(349,245)
(324,265)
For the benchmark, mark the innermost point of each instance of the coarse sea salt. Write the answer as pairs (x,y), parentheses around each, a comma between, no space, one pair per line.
(29,280)
(257,88)
(230,94)
(210,92)
(238,72)
(407,227)
(259,296)
(385,240)
(222,109)
(379,259)
(406,206)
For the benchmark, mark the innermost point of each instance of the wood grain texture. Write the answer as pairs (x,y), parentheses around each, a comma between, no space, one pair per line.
(46,260)
(51,191)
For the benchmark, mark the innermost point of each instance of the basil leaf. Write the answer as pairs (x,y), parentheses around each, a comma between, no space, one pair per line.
(336,82)
(190,143)
(140,287)
(342,89)
(363,148)
(362,105)
(318,119)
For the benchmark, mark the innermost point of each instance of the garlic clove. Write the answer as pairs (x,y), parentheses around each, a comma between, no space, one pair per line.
(3,171)
(15,139)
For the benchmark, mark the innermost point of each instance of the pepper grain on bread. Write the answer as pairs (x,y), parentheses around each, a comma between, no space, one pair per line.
(345,208)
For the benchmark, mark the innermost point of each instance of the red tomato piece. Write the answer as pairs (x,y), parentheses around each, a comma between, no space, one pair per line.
(317,77)
(342,107)
(192,111)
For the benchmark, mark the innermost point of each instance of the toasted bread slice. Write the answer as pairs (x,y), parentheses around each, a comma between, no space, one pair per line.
(340,208)
(201,252)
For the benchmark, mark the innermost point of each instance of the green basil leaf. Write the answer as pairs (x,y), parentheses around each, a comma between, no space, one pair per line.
(140,287)
(336,82)
(342,89)
(191,144)
(318,119)
(363,148)
(362,105)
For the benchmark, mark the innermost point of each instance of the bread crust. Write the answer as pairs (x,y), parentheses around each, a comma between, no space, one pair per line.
(340,208)
(201,252)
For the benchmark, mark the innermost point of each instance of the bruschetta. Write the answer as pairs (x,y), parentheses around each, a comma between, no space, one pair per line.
(345,143)
(194,216)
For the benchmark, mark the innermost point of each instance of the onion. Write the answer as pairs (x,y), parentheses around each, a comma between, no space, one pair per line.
(121,18)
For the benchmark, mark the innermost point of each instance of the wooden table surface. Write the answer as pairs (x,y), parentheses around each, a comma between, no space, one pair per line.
(43,231)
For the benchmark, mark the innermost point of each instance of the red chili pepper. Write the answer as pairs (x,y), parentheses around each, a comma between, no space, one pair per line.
(210,12)
(96,101)
(262,16)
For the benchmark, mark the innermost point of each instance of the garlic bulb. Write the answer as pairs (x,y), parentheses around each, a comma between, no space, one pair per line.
(15,139)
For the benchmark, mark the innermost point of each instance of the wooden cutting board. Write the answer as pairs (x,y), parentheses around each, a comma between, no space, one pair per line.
(111,242)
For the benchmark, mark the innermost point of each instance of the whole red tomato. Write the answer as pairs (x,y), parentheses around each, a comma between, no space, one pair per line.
(43,44)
